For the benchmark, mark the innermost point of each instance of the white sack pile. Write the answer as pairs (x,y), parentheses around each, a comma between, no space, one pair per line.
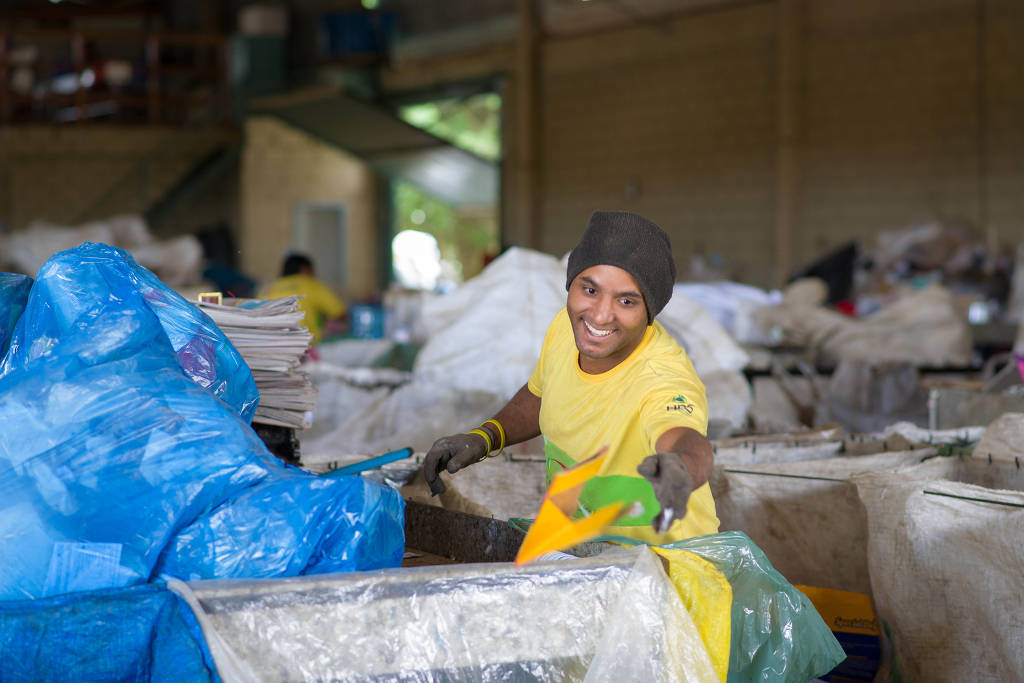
(734,306)
(484,340)
(805,515)
(793,494)
(482,335)
(861,396)
(947,562)
(922,326)
(487,334)
(177,262)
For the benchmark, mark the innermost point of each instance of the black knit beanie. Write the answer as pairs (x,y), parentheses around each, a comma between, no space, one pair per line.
(633,243)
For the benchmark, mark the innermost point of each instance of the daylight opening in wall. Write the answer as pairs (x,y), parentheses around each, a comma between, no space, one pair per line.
(416,259)
(465,237)
(465,227)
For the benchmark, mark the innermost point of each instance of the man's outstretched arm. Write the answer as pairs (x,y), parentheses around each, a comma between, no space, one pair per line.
(520,419)
(682,464)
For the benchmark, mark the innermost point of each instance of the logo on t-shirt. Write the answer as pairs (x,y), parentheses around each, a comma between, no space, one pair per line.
(679,403)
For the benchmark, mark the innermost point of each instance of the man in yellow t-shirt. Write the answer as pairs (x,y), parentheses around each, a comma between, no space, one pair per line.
(321,305)
(609,375)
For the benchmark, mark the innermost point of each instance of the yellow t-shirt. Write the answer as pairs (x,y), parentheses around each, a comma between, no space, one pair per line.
(318,302)
(626,408)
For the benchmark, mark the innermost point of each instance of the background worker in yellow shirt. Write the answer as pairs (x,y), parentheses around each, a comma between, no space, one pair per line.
(609,375)
(321,305)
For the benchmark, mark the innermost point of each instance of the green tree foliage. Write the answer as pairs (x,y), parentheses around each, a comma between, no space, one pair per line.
(472,123)
(463,236)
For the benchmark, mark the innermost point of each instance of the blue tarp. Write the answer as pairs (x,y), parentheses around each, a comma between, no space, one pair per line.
(293,523)
(142,633)
(81,287)
(13,294)
(132,447)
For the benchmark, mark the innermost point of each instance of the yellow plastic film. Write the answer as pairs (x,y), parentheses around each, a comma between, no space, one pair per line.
(707,596)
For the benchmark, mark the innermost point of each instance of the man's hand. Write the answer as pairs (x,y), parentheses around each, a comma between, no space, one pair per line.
(672,485)
(451,453)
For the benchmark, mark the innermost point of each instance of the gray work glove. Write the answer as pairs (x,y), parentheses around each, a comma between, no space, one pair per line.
(451,453)
(672,486)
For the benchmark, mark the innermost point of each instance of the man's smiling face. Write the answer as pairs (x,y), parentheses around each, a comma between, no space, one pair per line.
(608,316)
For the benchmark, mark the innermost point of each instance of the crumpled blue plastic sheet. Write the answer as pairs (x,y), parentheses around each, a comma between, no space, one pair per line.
(323,524)
(113,445)
(13,294)
(777,634)
(75,287)
(115,450)
(142,633)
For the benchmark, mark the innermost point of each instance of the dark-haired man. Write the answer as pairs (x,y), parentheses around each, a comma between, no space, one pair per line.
(320,304)
(609,375)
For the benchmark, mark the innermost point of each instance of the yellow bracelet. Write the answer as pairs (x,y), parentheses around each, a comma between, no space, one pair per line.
(487,438)
(501,435)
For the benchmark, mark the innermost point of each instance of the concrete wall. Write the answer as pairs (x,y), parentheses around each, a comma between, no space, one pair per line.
(57,173)
(73,173)
(282,166)
(902,111)
(771,131)
(69,174)
(911,110)
(675,122)
(898,112)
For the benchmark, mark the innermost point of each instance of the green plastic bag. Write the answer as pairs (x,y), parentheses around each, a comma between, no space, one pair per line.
(777,635)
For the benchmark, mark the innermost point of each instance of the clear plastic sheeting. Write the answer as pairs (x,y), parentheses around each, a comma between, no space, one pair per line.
(610,618)
(649,607)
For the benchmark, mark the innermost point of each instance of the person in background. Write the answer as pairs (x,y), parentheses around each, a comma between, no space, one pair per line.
(321,305)
(609,375)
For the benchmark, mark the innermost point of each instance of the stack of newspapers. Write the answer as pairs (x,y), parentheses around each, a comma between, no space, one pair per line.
(268,334)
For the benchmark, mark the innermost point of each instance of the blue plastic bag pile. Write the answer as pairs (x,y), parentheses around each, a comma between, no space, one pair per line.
(126,452)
